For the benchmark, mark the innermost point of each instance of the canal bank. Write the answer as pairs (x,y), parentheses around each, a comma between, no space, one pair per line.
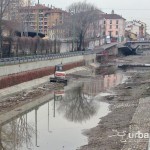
(32,84)
(129,113)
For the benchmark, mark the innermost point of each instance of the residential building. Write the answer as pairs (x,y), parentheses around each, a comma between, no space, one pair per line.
(136,27)
(42,17)
(56,16)
(57,32)
(12,12)
(130,36)
(96,33)
(114,26)
(36,17)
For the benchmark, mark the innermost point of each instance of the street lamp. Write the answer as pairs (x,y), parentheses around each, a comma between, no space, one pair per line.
(55,40)
(73,27)
(37,20)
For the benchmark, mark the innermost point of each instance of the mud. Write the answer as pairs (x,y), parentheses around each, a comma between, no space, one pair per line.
(112,131)
(124,105)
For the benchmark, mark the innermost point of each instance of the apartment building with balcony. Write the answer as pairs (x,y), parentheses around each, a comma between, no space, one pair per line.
(42,17)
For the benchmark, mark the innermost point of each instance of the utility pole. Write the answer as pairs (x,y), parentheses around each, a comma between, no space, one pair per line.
(73,43)
(55,41)
(38,19)
(73,29)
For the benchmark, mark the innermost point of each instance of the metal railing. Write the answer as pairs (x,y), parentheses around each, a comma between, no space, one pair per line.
(19,60)
(25,59)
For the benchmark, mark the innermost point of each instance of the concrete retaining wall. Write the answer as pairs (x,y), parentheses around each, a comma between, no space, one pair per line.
(13,69)
(16,74)
(89,59)
(25,76)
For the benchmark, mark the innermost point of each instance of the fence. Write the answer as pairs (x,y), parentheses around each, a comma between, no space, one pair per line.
(18,60)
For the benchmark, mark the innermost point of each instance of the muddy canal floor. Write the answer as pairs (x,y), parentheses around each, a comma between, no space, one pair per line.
(129,115)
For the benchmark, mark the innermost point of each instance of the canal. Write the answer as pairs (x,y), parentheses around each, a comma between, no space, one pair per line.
(59,124)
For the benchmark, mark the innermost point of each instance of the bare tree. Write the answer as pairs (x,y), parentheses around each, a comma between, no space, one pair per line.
(82,15)
(16,133)
(3,7)
(76,105)
(10,10)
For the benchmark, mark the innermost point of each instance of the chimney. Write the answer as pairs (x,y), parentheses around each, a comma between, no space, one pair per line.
(112,12)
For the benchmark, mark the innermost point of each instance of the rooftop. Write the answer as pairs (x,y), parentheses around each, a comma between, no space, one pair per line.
(36,7)
(18,27)
(112,16)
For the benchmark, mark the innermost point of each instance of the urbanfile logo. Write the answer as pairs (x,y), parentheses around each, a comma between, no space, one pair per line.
(138,135)
(133,137)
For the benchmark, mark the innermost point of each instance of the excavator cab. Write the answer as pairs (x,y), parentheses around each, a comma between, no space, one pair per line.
(59,67)
(59,75)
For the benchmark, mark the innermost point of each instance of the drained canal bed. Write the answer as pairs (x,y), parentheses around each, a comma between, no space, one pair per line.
(59,123)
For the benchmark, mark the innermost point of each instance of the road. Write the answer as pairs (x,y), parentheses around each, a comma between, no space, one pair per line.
(18,60)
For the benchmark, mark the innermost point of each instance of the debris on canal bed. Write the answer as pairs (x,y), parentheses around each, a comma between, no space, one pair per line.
(129,112)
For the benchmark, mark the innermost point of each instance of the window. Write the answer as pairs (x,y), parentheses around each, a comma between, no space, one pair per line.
(117,21)
(116,26)
(110,26)
(40,15)
(110,33)
(110,21)
(116,32)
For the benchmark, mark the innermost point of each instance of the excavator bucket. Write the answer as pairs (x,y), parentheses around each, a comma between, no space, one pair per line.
(53,80)
(58,80)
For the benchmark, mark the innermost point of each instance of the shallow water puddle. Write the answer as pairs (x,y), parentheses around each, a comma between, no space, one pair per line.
(58,124)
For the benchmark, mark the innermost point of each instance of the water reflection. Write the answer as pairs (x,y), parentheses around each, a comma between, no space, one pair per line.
(55,124)
(76,105)
(15,133)
(92,87)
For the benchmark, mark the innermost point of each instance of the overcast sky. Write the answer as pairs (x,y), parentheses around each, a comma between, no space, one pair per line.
(129,9)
